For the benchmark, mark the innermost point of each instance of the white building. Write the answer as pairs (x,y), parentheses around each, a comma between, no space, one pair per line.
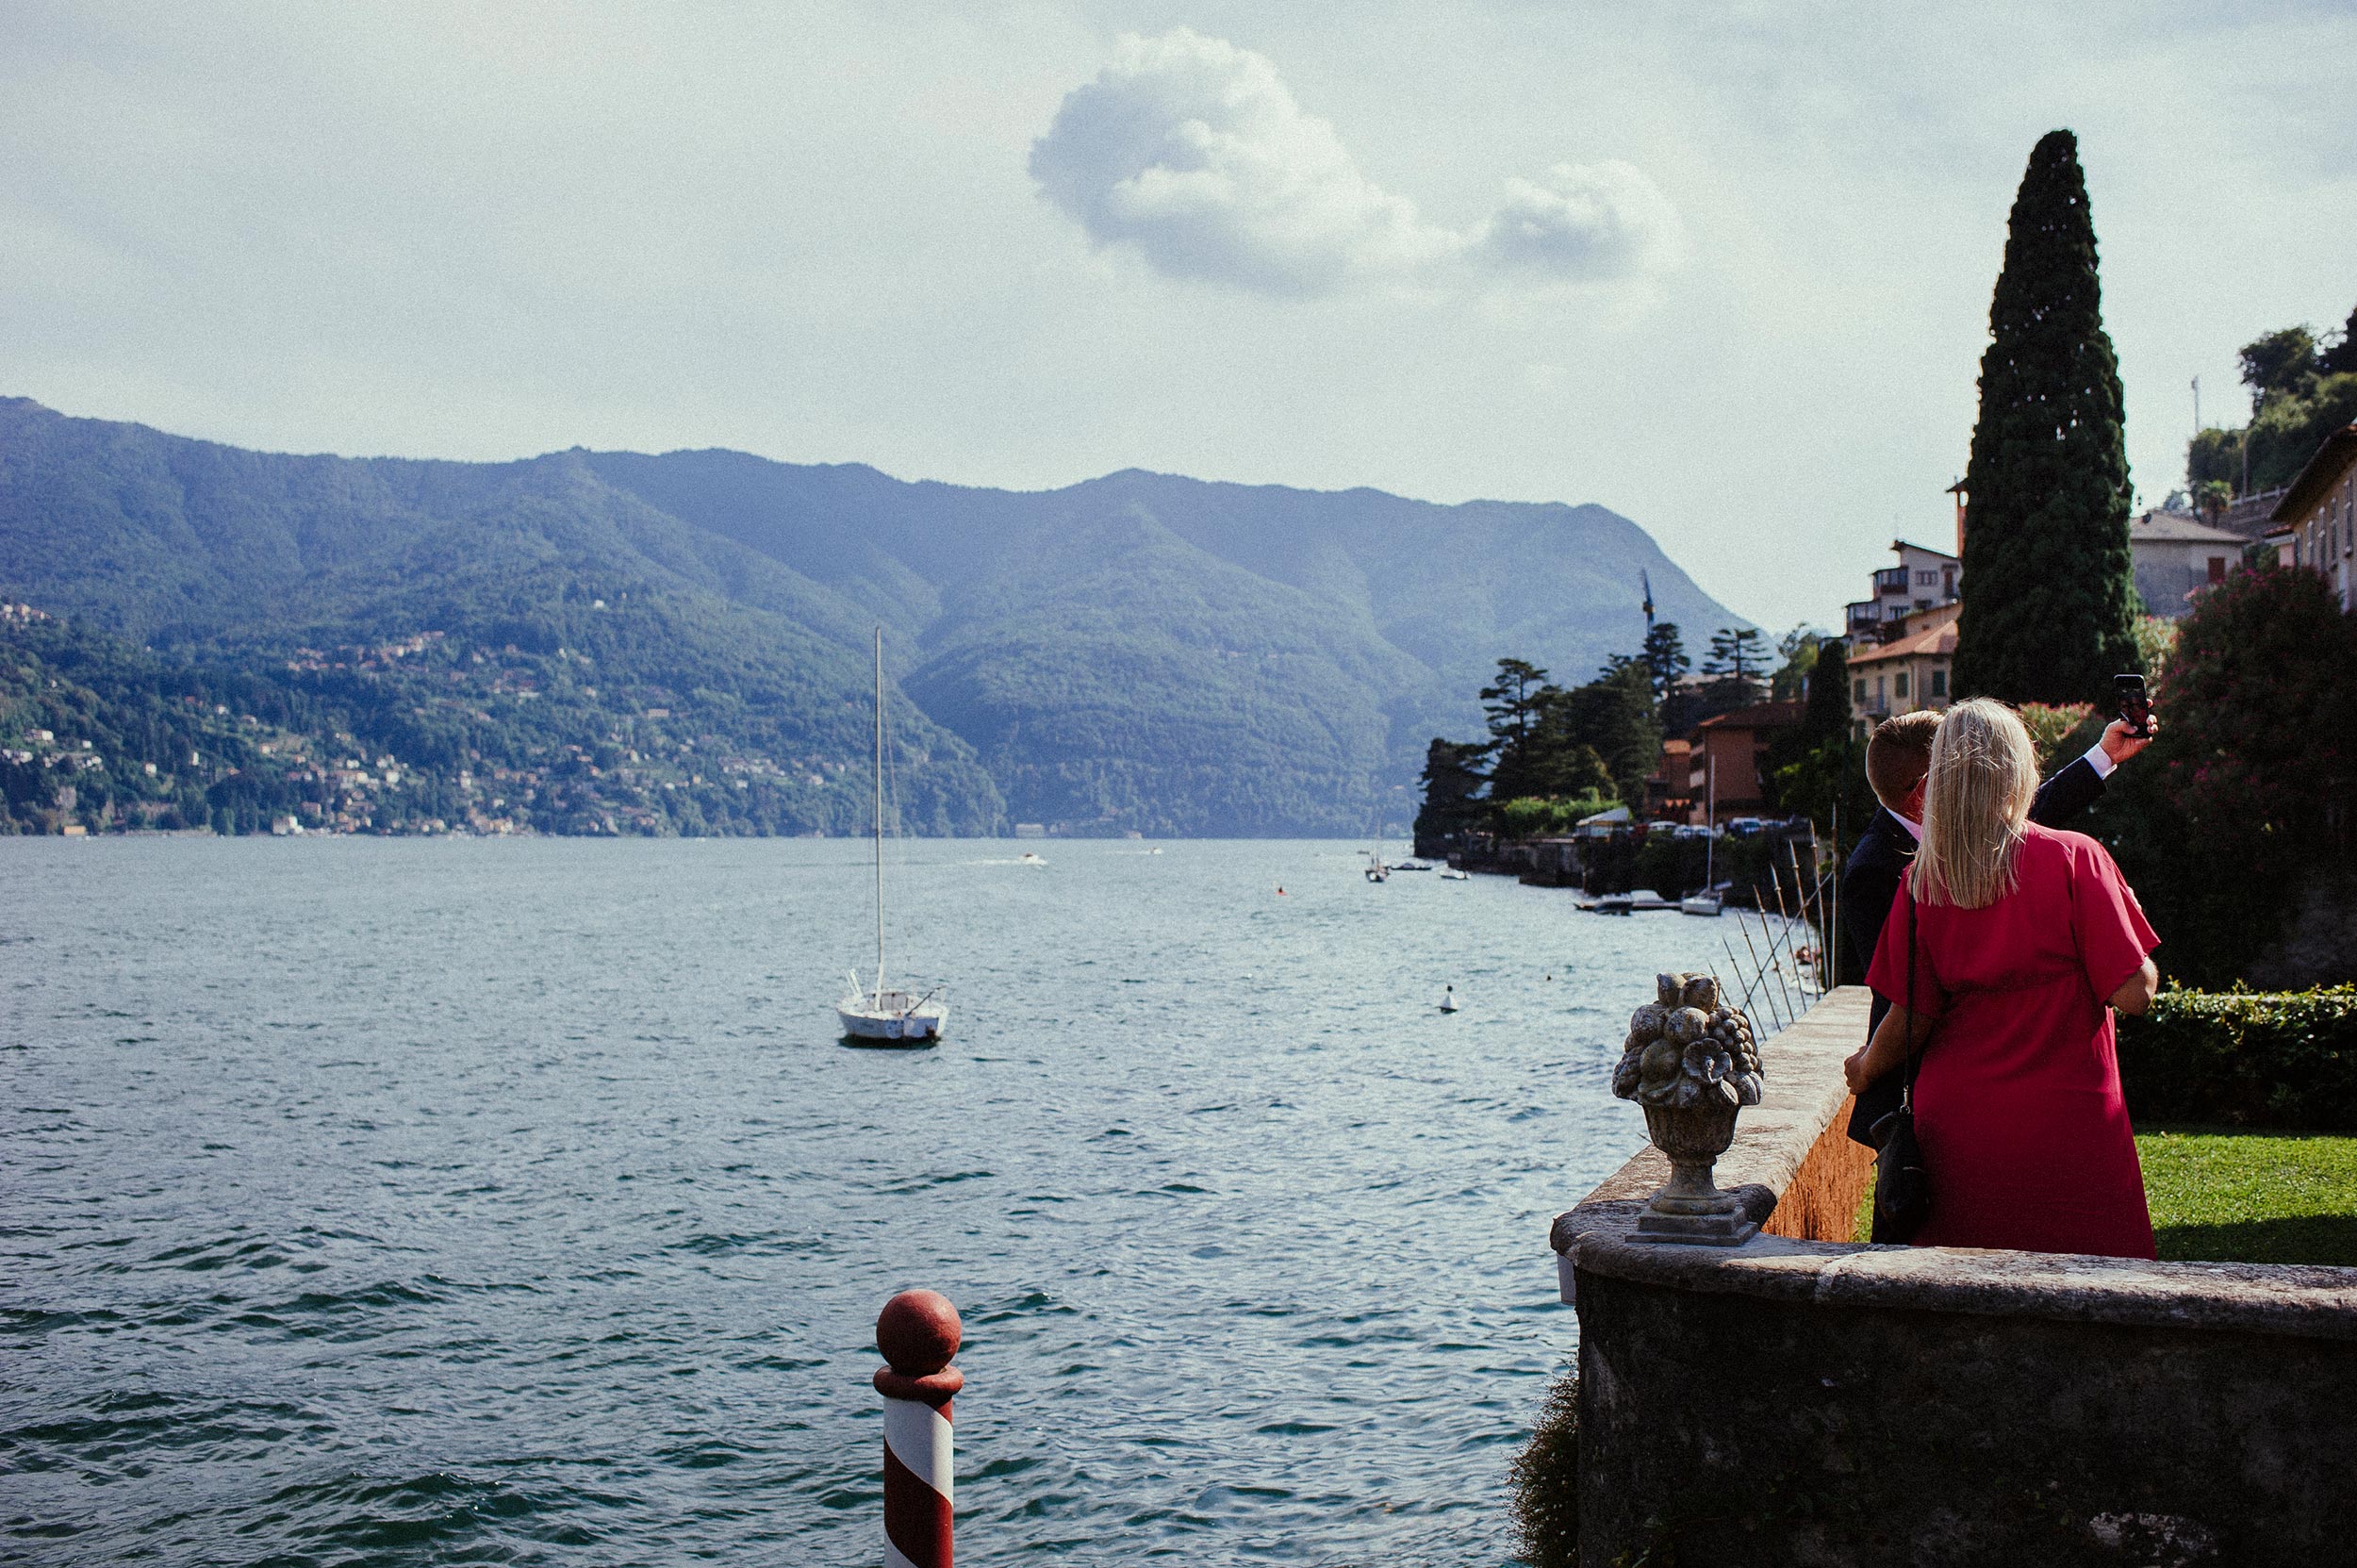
(2175,555)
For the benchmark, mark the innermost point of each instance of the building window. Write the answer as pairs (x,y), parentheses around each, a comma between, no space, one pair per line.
(1899,684)
(2218,569)
(1940,683)
(1861,689)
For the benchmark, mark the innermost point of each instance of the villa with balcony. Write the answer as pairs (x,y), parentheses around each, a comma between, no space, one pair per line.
(1924,579)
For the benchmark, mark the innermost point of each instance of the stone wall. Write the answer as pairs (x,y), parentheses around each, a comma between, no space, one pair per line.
(1804,1401)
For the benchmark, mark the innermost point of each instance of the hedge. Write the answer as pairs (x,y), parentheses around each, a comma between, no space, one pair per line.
(2245,1058)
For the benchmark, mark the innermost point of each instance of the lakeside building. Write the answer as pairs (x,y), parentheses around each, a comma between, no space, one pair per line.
(2315,519)
(1734,746)
(1669,796)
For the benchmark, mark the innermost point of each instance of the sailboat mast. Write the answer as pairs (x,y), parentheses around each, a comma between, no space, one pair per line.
(1710,819)
(880,940)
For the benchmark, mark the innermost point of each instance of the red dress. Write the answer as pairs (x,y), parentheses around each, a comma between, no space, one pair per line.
(2016,1095)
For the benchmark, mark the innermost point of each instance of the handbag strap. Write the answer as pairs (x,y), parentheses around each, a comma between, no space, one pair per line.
(1906,1089)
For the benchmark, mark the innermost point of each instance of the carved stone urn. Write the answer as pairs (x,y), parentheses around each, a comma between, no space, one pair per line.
(1692,1064)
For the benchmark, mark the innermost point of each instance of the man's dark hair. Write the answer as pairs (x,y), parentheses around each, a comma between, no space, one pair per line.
(1899,753)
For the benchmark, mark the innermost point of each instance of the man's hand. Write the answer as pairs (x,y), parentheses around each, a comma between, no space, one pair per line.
(1854,1070)
(2121,742)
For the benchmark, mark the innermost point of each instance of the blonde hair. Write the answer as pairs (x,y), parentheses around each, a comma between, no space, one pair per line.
(1976,804)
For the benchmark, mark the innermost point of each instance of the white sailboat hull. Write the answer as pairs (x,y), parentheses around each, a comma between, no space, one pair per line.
(892,1019)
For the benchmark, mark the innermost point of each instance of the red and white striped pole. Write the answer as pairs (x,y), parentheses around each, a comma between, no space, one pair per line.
(919,1333)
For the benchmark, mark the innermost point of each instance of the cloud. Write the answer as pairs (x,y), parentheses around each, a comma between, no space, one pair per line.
(1194,153)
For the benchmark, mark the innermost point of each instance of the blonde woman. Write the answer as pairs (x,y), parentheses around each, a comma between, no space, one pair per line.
(2023,941)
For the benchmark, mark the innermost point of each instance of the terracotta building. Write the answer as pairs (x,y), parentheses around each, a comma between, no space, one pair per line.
(1734,746)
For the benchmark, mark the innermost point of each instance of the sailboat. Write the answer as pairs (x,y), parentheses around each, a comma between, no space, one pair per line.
(1376,870)
(880,1015)
(1710,899)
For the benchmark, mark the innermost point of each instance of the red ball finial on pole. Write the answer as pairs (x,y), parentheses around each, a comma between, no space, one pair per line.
(918,1332)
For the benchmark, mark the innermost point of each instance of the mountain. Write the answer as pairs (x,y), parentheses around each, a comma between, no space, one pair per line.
(1137,652)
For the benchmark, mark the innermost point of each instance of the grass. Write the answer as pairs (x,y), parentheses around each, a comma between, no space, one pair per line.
(2222,1195)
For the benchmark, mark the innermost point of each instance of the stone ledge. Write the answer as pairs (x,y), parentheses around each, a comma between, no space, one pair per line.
(1773,1141)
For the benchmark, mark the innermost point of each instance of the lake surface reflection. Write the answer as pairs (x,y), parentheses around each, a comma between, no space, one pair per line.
(435,1201)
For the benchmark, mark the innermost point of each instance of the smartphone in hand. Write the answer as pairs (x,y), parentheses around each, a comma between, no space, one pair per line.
(2134,704)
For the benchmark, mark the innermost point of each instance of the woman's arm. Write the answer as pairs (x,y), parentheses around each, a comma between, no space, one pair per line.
(1889,1046)
(2137,992)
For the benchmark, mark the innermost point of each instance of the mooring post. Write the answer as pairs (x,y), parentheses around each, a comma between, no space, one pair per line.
(919,1333)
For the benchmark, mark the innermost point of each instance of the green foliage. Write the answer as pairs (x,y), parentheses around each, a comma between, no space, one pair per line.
(1798,648)
(2279,363)
(1665,659)
(2245,1058)
(1545,1481)
(1825,780)
(2241,802)
(436,731)
(1529,816)
(2222,1196)
(2049,595)
(1511,700)
(2214,461)
(2291,425)
(1452,778)
(2301,390)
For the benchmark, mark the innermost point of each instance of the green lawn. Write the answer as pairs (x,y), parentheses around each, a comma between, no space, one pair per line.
(2222,1195)
(2261,1197)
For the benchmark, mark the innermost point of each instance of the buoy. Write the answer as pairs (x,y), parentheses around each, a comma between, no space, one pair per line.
(1448,998)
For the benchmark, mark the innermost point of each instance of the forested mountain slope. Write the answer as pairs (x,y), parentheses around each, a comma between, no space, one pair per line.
(1138,651)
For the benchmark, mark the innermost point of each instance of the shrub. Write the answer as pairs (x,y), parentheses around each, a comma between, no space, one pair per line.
(1545,1481)
(1536,817)
(2245,1058)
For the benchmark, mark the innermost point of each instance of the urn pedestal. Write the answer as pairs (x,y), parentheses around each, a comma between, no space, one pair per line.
(1689,1207)
(1692,1063)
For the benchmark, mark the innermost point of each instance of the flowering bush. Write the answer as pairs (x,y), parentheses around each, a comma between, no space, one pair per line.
(2245,798)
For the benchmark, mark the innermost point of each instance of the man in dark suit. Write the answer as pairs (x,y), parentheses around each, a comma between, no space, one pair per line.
(1898,755)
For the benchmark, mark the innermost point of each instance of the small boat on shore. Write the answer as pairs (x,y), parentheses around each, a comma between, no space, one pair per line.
(1454,873)
(1709,901)
(1631,902)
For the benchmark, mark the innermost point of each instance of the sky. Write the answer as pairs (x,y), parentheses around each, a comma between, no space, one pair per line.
(1725,268)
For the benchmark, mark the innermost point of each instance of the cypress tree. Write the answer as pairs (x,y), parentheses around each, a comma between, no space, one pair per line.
(2049,593)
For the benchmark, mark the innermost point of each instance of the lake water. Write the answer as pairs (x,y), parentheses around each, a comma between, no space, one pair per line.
(440,1201)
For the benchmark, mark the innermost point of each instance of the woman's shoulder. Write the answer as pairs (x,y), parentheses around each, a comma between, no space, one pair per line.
(2063,847)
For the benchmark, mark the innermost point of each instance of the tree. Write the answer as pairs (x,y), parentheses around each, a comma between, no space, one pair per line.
(1739,654)
(2049,596)
(1452,778)
(1612,717)
(1731,672)
(2340,356)
(2242,803)
(1665,660)
(1798,648)
(2280,364)
(1510,701)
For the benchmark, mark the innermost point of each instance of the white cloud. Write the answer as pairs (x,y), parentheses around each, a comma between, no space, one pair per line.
(1194,153)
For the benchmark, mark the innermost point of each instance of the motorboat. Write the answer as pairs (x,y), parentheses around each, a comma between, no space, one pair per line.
(1454,873)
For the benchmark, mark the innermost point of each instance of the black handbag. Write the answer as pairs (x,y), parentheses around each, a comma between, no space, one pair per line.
(1903,1187)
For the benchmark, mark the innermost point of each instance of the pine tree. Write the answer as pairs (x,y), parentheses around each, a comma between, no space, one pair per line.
(2049,594)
